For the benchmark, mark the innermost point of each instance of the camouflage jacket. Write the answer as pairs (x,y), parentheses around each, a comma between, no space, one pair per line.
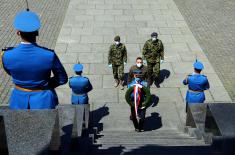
(153,51)
(142,76)
(117,54)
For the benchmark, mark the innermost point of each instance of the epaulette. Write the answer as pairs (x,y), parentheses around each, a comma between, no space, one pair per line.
(45,48)
(7,48)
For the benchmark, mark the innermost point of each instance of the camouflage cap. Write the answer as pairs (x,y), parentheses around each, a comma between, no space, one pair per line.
(117,38)
(154,34)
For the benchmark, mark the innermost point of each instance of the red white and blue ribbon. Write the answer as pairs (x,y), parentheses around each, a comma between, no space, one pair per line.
(137,95)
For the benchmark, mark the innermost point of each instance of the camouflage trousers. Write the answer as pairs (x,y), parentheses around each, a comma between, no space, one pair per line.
(153,70)
(118,71)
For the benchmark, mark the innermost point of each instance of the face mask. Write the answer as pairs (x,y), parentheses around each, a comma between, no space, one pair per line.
(154,38)
(139,65)
(117,42)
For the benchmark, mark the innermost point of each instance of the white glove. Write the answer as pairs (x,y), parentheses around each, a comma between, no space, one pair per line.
(110,65)
(144,62)
(162,61)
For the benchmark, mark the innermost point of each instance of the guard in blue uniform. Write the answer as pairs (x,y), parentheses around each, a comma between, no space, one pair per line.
(197,83)
(30,67)
(80,86)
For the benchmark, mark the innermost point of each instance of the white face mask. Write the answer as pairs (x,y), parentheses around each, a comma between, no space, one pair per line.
(139,65)
(154,38)
(117,42)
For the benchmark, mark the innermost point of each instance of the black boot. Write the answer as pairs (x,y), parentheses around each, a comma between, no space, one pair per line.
(135,123)
(157,81)
(141,125)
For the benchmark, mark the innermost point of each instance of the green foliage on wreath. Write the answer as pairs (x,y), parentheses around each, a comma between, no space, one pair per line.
(146,91)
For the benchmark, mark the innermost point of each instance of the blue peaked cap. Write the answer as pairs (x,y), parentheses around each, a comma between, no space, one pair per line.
(78,67)
(27,21)
(198,65)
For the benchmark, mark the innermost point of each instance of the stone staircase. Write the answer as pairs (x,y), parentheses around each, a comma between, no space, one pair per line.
(116,135)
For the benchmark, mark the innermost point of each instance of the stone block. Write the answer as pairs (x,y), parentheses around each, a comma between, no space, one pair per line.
(146,31)
(103,31)
(114,24)
(61,48)
(94,12)
(133,12)
(81,31)
(135,24)
(90,57)
(143,18)
(104,95)
(28,132)
(101,48)
(124,18)
(104,18)
(68,58)
(108,81)
(100,69)
(92,23)
(171,31)
(122,6)
(80,18)
(156,24)
(104,6)
(92,39)
(114,12)
(168,94)
(78,48)
(220,94)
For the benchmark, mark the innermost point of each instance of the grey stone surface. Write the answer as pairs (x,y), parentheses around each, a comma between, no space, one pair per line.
(28,132)
(134,20)
(223,114)
(214,30)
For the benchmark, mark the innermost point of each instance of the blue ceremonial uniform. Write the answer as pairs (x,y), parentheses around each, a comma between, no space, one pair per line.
(197,83)
(80,87)
(30,67)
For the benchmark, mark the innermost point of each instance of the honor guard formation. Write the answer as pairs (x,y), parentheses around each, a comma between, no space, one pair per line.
(36,71)
(113,77)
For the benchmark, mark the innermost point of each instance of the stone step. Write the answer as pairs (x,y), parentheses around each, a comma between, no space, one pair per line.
(150,134)
(156,150)
(171,141)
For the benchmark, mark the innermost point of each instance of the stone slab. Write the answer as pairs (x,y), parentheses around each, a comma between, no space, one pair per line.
(28,132)
(224,116)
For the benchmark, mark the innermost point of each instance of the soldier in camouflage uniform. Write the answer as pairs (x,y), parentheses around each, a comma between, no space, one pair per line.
(117,58)
(153,53)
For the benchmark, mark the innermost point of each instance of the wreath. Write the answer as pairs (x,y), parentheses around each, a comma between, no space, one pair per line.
(148,97)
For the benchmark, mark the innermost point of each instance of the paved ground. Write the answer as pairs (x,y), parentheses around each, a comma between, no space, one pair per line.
(88,31)
(212,23)
(52,15)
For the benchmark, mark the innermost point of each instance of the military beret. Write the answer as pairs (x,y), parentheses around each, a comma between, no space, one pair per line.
(154,34)
(198,65)
(117,38)
(78,67)
(27,21)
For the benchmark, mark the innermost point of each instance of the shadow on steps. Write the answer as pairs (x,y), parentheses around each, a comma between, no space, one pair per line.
(158,150)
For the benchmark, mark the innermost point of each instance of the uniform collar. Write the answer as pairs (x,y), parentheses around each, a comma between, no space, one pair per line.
(24,44)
